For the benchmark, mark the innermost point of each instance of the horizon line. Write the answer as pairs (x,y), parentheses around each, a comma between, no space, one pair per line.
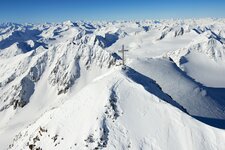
(112,20)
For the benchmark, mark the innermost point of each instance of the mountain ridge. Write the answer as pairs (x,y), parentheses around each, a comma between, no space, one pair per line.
(62,85)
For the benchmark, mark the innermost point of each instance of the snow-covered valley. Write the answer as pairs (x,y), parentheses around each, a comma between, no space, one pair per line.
(62,85)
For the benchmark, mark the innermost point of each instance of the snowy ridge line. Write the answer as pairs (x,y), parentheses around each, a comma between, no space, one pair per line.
(210,47)
(21,92)
(62,86)
(81,55)
(208,102)
(92,54)
(152,87)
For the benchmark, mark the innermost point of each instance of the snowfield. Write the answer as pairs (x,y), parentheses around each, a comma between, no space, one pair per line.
(62,85)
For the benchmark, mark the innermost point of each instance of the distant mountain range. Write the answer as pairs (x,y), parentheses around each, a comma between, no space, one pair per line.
(62,85)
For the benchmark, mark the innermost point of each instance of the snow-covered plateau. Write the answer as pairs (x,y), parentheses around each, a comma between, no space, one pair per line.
(62,85)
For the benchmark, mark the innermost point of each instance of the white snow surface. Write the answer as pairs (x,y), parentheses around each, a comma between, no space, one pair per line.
(62,85)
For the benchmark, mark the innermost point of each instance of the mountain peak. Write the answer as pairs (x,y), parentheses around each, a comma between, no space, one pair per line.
(63,86)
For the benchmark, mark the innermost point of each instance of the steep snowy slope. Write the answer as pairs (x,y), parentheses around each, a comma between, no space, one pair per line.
(203,59)
(195,98)
(62,86)
(117,119)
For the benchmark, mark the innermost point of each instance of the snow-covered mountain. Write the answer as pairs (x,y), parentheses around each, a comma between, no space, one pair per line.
(62,85)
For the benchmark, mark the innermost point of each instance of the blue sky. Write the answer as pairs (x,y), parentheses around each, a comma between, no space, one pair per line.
(37,11)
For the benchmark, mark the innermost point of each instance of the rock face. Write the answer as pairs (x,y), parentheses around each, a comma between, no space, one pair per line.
(19,95)
(174,32)
(67,68)
(63,57)
(62,86)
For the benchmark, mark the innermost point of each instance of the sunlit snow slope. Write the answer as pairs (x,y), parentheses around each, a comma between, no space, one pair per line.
(62,85)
